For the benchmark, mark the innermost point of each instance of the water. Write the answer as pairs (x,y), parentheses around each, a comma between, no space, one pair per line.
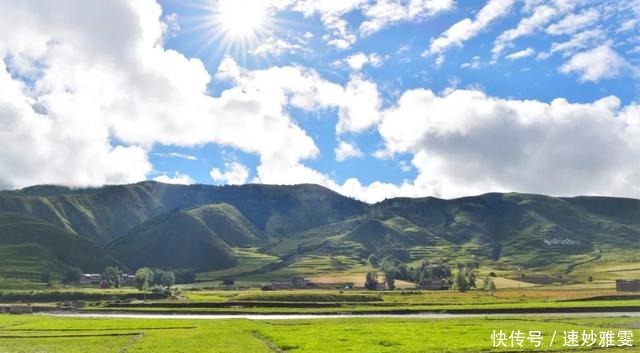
(323,317)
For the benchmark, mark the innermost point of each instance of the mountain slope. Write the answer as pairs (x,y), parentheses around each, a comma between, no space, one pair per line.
(29,246)
(228,223)
(102,214)
(202,227)
(185,239)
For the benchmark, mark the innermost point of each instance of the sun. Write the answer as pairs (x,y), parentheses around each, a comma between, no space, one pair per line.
(240,24)
(242,19)
(234,26)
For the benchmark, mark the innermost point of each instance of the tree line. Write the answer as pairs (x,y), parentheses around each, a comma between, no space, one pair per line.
(462,278)
(145,277)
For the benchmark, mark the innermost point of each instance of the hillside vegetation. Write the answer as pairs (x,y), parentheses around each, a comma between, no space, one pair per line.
(29,246)
(262,232)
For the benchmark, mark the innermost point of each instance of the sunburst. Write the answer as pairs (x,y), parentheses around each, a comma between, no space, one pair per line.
(232,26)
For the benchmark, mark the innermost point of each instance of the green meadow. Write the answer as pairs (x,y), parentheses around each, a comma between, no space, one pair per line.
(39,334)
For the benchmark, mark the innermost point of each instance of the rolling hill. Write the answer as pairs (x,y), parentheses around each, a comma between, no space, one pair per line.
(29,246)
(199,238)
(217,229)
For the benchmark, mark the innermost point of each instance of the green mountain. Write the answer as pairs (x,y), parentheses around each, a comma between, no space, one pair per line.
(271,231)
(199,238)
(29,246)
(102,214)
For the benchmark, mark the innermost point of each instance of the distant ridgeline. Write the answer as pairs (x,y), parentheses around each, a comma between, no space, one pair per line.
(207,228)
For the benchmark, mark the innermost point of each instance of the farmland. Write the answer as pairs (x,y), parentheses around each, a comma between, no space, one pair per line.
(29,334)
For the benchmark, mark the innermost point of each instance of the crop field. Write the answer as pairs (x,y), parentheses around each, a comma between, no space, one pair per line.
(39,334)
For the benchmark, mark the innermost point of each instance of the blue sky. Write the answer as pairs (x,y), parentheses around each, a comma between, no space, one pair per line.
(372,98)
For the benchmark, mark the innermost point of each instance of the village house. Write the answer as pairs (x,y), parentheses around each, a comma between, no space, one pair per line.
(434,284)
(301,283)
(628,286)
(277,286)
(296,283)
(95,279)
(90,279)
(127,280)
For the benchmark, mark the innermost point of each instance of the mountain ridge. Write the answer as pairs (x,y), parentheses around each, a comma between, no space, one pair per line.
(234,224)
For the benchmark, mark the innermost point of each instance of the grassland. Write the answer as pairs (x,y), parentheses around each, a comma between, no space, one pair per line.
(533,300)
(30,334)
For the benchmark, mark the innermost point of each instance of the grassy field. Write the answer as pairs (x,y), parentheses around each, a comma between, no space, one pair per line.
(331,301)
(537,299)
(30,334)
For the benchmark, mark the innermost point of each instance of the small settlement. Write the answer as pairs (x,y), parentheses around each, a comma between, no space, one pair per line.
(628,286)
(96,279)
(303,283)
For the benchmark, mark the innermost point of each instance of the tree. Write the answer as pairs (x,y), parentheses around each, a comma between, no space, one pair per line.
(168,279)
(441,271)
(390,277)
(111,274)
(72,275)
(158,277)
(373,260)
(390,274)
(465,278)
(371,281)
(489,285)
(405,273)
(428,272)
(143,278)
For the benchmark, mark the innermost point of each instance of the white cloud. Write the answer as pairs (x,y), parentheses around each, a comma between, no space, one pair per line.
(52,129)
(178,178)
(346,150)
(468,28)
(359,107)
(383,13)
(595,65)
(72,85)
(171,26)
(521,54)
(579,41)
(277,47)
(466,142)
(234,174)
(541,16)
(341,43)
(405,166)
(107,78)
(331,14)
(473,64)
(177,155)
(358,60)
(377,15)
(573,23)
(629,25)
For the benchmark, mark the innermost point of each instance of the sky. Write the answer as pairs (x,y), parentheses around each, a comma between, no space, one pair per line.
(371,98)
